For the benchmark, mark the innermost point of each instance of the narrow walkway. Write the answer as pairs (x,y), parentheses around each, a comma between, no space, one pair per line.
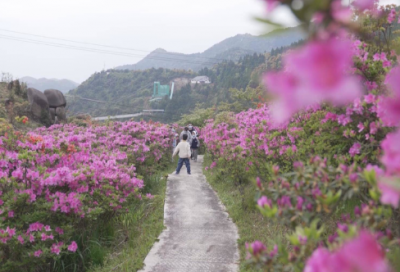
(199,234)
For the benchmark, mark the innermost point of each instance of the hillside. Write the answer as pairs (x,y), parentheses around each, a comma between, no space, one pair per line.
(130,91)
(229,49)
(64,85)
(124,91)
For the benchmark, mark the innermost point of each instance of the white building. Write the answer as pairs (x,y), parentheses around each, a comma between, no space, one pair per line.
(201,80)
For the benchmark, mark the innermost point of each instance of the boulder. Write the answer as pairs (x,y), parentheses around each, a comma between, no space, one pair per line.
(52,114)
(55,98)
(61,116)
(38,102)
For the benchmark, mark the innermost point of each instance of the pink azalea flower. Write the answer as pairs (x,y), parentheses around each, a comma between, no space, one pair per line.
(20,239)
(360,127)
(11,214)
(149,196)
(55,249)
(264,201)
(59,231)
(257,248)
(10,231)
(341,13)
(372,128)
(391,16)
(391,157)
(314,74)
(364,4)
(390,194)
(47,228)
(389,107)
(73,246)
(355,149)
(363,253)
(38,253)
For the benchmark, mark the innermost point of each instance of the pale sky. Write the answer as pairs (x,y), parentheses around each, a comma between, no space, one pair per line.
(185,26)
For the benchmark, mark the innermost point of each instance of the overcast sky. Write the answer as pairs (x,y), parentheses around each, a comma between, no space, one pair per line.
(186,26)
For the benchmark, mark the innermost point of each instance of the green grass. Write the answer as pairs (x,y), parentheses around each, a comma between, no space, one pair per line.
(137,230)
(241,206)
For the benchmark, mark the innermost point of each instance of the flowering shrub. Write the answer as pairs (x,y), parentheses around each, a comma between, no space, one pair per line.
(60,181)
(316,148)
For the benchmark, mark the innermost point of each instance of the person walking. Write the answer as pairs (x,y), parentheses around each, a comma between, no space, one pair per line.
(183,148)
(194,146)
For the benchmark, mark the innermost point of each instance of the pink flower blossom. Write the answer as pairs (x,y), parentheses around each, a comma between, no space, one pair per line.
(11,214)
(20,239)
(391,16)
(391,157)
(10,231)
(363,253)
(257,248)
(341,13)
(264,201)
(364,4)
(149,196)
(314,73)
(372,128)
(55,249)
(37,253)
(389,107)
(360,127)
(390,193)
(355,149)
(73,246)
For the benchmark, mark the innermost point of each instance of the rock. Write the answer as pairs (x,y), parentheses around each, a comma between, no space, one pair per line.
(39,105)
(60,113)
(55,98)
(52,114)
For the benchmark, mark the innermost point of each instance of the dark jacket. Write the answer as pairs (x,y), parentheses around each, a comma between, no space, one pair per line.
(195,144)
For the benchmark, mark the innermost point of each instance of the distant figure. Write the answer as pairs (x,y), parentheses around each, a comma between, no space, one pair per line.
(194,146)
(186,132)
(192,131)
(183,148)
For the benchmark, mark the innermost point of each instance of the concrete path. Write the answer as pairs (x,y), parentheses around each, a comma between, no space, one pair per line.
(199,234)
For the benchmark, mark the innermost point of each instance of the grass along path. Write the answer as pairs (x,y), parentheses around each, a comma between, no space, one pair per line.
(241,206)
(137,230)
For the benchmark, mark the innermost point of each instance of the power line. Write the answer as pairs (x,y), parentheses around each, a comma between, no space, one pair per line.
(95,50)
(96,44)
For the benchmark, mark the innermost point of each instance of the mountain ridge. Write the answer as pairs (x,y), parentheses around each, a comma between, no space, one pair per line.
(238,45)
(64,85)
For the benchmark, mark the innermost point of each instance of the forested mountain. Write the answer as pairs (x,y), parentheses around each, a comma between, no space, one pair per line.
(64,85)
(229,49)
(126,91)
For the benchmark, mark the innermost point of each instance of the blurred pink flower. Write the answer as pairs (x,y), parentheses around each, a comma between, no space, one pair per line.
(363,253)
(390,194)
(340,12)
(73,246)
(389,107)
(257,248)
(355,149)
(391,157)
(364,4)
(264,201)
(37,253)
(314,74)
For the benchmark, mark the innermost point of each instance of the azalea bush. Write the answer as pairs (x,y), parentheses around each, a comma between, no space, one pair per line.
(328,143)
(59,184)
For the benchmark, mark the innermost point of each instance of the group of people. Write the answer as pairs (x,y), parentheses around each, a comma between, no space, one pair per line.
(187,148)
